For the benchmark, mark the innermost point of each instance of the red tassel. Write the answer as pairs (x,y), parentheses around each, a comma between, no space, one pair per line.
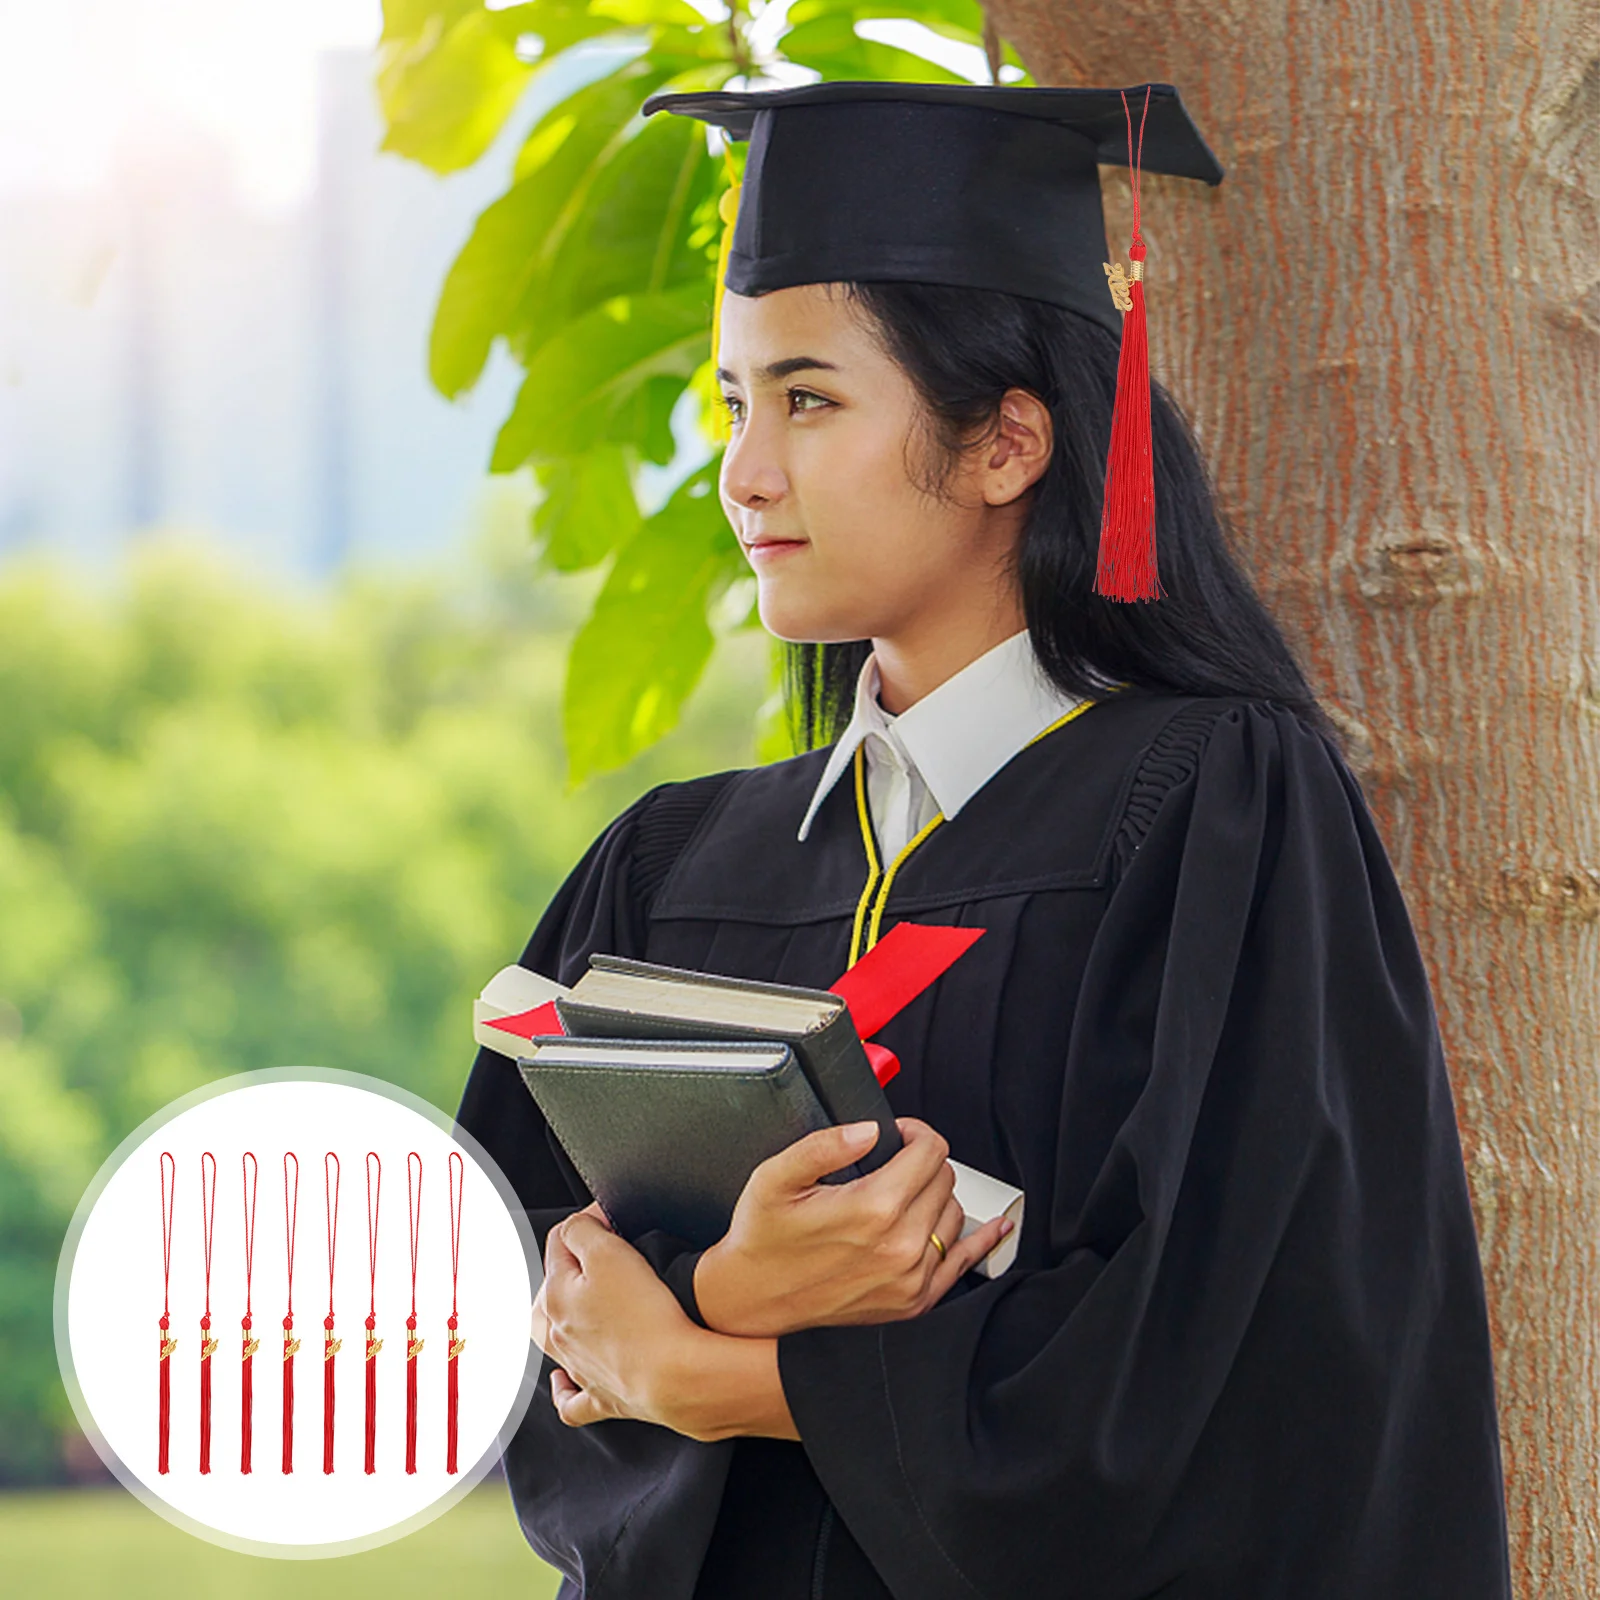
(248,1172)
(413,1343)
(330,1345)
(247,1397)
(330,1348)
(208,1347)
(413,1350)
(291,1219)
(374,1345)
(1127,564)
(165,1426)
(169,1198)
(290,1345)
(452,1404)
(457,1174)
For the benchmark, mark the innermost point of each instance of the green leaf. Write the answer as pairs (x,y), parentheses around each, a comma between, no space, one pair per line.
(829,45)
(961,18)
(631,233)
(581,379)
(557,25)
(649,13)
(588,509)
(636,660)
(447,90)
(498,286)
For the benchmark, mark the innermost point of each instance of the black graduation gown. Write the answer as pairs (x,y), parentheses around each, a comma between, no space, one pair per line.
(1244,1349)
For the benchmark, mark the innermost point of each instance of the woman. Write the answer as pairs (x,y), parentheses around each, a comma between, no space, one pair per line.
(1243,1350)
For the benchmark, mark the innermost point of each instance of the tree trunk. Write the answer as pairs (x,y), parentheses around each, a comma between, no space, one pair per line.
(1385,324)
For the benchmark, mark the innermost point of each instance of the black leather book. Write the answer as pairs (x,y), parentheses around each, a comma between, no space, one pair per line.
(666,1133)
(623,998)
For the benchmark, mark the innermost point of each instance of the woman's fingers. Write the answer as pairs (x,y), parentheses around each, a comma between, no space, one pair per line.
(575,1406)
(961,1258)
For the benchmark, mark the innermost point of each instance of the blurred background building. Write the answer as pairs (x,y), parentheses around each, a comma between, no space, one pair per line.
(183,347)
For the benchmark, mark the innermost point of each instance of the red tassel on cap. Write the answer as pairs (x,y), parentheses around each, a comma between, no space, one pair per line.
(1127,566)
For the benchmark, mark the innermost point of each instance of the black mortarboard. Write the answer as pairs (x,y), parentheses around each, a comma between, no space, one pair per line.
(977,186)
(985,187)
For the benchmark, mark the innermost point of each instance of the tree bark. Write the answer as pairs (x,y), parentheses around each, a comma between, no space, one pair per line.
(1385,325)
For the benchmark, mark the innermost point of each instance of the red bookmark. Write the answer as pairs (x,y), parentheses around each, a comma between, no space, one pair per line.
(290,1343)
(248,1345)
(330,1345)
(458,1188)
(374,1343)
(169,1196)
(413,1343)
(208,1345)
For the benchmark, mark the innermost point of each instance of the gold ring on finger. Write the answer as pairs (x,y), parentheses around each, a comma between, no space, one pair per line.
(937,1243)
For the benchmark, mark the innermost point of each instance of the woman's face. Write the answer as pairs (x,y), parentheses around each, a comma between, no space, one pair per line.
(829,453)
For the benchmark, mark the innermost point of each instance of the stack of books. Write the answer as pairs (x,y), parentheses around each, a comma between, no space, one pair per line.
(667,1087)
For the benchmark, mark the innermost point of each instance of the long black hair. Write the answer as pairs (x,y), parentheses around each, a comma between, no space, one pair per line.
(1209,635)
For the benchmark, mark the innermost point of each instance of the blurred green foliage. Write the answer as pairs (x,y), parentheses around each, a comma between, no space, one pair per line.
(241,829)
(92,1544)
(595,270)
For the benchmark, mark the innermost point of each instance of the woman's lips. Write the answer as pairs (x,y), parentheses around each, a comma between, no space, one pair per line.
(767,549)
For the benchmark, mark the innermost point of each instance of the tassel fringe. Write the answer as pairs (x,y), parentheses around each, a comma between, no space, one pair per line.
(413,1350)
(290,1345)
(374,1345)
(453,1398)
(208,1346)
(164,1422)
(247,1398)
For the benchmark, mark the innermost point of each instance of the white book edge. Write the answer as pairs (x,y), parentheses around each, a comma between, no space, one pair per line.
(514,990)
(510,992)
(982,1199)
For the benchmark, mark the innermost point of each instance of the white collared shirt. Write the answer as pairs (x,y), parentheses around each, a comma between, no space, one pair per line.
(935,755)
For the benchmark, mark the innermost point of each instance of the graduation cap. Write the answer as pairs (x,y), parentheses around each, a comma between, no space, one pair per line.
(977,186)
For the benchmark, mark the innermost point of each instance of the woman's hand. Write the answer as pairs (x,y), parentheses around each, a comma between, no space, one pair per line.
(626,1349)
(610,1323)
(804,1254)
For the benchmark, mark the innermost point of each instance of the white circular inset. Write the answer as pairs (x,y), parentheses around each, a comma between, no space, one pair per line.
(108,1303)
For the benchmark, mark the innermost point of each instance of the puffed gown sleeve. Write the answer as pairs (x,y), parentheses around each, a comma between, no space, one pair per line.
(1257,1363)
(578,1491)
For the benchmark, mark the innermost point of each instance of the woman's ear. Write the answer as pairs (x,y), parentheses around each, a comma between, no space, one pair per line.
(1020,449)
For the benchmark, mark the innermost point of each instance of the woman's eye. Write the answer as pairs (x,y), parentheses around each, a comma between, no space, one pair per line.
(734,406)
(805,400)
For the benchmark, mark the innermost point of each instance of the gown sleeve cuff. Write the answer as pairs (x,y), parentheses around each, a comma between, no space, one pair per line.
(834,1380)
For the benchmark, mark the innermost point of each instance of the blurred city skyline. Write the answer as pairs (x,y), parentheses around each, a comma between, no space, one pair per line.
(179,350)
(216,290)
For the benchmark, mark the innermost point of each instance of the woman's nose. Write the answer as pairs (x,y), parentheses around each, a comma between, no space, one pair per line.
(752,475)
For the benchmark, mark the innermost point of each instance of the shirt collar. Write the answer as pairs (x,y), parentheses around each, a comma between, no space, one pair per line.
(960,734)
